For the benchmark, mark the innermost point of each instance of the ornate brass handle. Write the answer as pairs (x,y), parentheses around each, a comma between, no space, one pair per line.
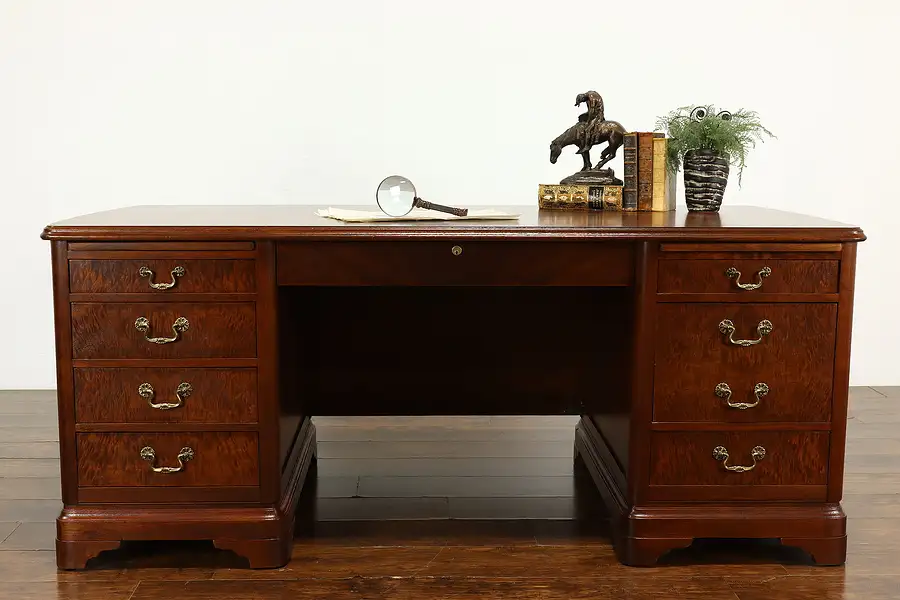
(142,324)
(149,454)
(733,273)
(724,391)
(763,329)
(146,272)
(757,454)
(184,389)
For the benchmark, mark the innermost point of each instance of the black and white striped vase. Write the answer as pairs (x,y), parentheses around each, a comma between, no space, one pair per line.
(705,178)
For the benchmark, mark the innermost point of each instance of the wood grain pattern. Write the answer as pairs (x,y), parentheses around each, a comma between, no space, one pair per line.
(123,276)
(744,224)
(686,458)
(217,396)
(220,458)
(216,330)
(795,360)
(433,263)
(788,276)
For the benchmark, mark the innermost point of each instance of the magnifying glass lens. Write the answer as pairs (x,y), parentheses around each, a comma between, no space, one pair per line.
(395,195)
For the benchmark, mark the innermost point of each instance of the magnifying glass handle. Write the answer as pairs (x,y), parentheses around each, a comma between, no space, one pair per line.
(459,212)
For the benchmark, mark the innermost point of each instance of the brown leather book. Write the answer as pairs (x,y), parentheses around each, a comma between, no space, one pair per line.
(630,179)
(645,170)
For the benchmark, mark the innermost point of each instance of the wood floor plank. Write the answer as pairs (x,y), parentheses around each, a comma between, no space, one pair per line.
(76,590)
(40,566)
(871,463)
(448,434)
(29,510)
(436,532)
(890,391)
(304,589)
(869,506)
(828,586)
(6,529)
(514,508)
(857,428)
(370,509)
(860,392)
(29,420)
(445,467)
(29,434)
(30,488)
(29,467)
(456,487)
(336,487)
(30,536)
(493,449)
(29,450)
(327,562)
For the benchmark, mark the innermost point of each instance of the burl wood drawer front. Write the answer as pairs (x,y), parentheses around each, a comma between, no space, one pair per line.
(789,371)
(163,330)
(733,465)
(162,395)
(455,263)
(748,276)
(168,459)
(162,275)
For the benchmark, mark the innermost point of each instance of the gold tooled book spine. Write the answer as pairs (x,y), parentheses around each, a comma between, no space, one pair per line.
(612,198)
(569,197)
(659,174)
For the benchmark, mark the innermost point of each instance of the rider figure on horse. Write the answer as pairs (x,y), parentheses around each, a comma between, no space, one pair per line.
(594,112)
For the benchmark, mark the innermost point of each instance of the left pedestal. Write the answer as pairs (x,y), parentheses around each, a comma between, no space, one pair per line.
(262,535)
(172,420)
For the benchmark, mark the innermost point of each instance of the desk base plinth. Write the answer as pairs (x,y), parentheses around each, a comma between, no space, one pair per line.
(261,534)
(643,534)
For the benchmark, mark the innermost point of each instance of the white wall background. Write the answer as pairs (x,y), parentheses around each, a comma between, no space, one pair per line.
(105,103)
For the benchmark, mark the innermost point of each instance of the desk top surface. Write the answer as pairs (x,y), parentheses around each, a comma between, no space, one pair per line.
(219,222)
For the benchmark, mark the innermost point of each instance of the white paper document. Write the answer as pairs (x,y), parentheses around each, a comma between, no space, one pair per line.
(365,216)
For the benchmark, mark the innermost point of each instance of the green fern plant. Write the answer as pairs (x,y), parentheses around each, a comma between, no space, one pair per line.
(703,127)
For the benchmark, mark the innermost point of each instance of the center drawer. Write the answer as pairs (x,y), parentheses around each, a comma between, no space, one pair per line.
(710,354)
(457,262)
(163,330)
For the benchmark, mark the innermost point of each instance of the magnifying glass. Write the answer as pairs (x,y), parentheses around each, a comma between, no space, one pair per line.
(396,197)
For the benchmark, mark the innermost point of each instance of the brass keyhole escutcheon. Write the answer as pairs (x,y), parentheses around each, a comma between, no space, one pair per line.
(456,250)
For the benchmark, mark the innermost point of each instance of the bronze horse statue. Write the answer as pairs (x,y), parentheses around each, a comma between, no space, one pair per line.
(586,134)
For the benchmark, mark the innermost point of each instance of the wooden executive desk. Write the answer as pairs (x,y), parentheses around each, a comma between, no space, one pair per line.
(713,403)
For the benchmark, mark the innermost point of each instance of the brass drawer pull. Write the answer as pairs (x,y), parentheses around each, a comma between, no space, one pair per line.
(763,329)
(149,454)
(757,454)
(733,273)
(184,389)
(456,250)
(180,325)
(146,272)
(724,391)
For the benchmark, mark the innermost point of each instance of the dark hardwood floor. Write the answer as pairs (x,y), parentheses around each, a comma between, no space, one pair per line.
(456,507)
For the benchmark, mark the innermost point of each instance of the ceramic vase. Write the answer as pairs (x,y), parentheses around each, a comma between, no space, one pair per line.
(705,178)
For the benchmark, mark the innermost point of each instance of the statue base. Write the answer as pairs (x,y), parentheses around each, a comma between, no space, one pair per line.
(593,177)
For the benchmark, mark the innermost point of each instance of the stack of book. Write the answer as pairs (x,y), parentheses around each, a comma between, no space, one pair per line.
(649,185)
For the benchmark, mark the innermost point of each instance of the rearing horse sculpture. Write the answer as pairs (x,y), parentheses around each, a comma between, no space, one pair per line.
(586,134)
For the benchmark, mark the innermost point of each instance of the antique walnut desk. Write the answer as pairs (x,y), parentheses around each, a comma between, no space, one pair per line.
(708,355)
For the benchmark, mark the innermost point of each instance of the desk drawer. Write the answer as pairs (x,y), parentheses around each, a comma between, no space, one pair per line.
(455,262)
(162,276)
(757,275)
(795,361)
(206,459)
(789,465)
(124,330)
(164,395)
